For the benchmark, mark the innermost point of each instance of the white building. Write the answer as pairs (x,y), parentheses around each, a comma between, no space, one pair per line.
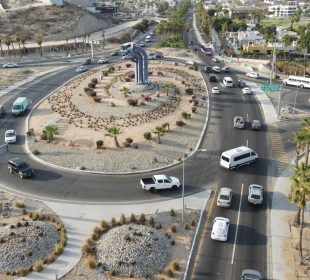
(254,37)
(283,10)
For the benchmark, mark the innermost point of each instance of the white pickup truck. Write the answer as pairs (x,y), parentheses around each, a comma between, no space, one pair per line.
(160,182)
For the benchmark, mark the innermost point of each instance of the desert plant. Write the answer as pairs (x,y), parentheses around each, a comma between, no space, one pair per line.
(58,249)
(186,226)
(125,91)
(50,258)
(193,223)
(104,224)
(152,222)
(175,266)
(122,219)
(173,228)
(169,272)
(19,204)
(91,262)
(172,213)
(184,115)
(129,140)
(194,109)
(43,136)
(189,91)
(50,131)
(133,218)
(97,99)
(113,222)
(38,266)
(132,102)
(86,248)
(36,152)
(99,144)
(94,80)
(179,123)
(30,132)
(142,219)
(91,85)
(147,135)
(114,132)
(159,131)
(166,126)
(22,271)
(91,93)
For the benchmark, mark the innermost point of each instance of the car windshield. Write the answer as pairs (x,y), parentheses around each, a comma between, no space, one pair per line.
(225,158)
(10,134)
(17,107)
(23,165)
(224,197)
(255,196)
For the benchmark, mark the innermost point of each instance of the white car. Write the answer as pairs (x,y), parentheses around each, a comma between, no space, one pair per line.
(238,122)
(225,69)
(81,69)
(246,90)
(255,195)
(127,56)
(10,136)
(103,60)
(216,69)
(224,197)
(9,65)
(220,229)
(252,75)
(142,44)
(215,90)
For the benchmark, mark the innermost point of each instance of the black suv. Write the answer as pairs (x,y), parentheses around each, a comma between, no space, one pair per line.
(212,79)
(207,69)
(86,61)
(20,167)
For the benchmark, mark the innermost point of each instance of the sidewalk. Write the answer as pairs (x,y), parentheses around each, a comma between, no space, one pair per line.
(80,221)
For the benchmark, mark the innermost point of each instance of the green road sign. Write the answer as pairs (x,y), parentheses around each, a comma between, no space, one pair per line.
(270,87)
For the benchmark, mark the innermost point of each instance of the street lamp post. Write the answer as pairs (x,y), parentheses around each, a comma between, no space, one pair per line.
(183,180)
(295,101)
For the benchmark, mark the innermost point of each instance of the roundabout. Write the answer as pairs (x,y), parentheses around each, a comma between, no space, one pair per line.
(157,122)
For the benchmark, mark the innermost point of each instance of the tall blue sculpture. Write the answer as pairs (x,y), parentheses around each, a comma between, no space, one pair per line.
(140,58)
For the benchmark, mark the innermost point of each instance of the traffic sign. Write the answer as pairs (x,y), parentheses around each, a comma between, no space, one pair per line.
(270,87)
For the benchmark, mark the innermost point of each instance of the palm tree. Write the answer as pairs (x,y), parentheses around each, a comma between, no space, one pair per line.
(298,139)
(18,38)
(23,40)
(305,130)
(114,132)
(50,130)
(39,40)
(159,131)
(125,91)
(166,87)
(299,190)
(7,41)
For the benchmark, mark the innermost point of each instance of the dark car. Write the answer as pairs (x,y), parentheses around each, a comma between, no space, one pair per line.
(212,79)
(2,110)
(87,61)
(114,53)
(20,167)
(207,69)
(241,84)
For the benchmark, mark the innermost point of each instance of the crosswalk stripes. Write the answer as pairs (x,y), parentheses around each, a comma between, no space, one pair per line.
(279,154)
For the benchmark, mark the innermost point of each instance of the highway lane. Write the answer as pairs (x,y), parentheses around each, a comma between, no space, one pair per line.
(215,260)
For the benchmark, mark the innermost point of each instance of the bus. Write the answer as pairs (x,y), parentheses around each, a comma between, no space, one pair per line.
(236,157)
(297,81)
(206,49)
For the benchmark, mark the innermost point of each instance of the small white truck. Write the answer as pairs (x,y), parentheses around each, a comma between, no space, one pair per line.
(160,182)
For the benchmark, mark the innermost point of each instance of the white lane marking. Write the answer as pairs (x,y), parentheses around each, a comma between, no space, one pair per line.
(236,234)
(243,98)
(247,142)
(247,117)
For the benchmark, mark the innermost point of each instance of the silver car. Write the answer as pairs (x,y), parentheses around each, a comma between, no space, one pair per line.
(255,195)
(224,197)
(250,274)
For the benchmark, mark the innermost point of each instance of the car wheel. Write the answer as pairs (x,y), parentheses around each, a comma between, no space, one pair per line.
(174,187)
(152,190)
(10,169)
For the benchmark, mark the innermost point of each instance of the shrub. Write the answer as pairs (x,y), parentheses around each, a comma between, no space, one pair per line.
(30,132)
(175,266)
(152,222)
(142,103)
(105,73)
(99,144)
(97,99)
(193,223)
(86,248)
(22,271)
(127,79)
(194,109)
(91,85)
(173,228)
(132,102)
(186,226)
(50,259)
(43,136)
(195,102)
(104,224)
(147,135)
(122,219)
(147,98)
(19,204)
(91,93)
(111,69)
(179,123)
(133,218)
(142,219)
(58,249)
(91,262)
(189,91)
(169,272)
(38,266)
(129,140)
(184,115)
(128,65)
(172,213)
(113,222)
(94,80)
(36,152)
(172,242)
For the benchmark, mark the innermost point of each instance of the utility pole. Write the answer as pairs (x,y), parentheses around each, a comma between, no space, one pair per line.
(273,62)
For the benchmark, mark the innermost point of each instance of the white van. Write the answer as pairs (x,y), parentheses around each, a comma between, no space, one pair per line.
(238,156)
(228,82)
